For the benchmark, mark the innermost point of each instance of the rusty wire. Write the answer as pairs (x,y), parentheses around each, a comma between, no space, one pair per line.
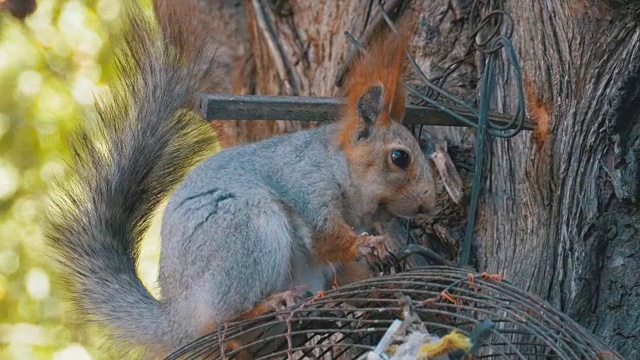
(348,321)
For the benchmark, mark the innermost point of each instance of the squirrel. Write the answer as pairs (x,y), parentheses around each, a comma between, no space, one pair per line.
(244,228)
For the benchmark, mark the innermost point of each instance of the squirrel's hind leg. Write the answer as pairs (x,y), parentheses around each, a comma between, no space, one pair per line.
(236,258)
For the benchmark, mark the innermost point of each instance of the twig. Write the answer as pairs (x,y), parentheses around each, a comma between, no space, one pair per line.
(284,70)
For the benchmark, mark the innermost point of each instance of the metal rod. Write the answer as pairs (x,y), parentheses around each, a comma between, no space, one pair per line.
(323,109)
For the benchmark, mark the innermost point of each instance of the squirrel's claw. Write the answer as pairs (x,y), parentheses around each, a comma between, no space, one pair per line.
(286,299)
(373,247)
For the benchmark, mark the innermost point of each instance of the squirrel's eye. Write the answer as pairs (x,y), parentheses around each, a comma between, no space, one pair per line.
(400,158)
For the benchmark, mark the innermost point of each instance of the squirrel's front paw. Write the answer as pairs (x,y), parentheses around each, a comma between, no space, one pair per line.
(373,247)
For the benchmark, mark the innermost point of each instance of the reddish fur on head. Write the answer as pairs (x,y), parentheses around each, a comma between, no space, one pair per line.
(372,136)
(381,64)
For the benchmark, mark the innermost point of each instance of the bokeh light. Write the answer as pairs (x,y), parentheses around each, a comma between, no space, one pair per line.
(52,66)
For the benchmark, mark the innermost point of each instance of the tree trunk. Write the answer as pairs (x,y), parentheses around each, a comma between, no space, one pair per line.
(559,212)
(558,208)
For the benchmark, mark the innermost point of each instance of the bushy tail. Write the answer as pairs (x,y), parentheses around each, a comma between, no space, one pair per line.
(123,167)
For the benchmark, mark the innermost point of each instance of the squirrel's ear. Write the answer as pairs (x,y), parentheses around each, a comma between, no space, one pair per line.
(373,87)
(370,104)
(397,107)
(370,107)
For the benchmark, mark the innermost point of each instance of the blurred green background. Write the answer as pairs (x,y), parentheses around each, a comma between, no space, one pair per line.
(51,67)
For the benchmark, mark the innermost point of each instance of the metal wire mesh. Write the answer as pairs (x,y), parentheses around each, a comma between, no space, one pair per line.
(348,321)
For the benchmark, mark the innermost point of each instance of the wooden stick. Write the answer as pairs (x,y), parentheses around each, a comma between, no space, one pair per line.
(323,109)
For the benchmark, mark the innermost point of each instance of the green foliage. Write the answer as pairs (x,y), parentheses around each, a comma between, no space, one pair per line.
(51,67)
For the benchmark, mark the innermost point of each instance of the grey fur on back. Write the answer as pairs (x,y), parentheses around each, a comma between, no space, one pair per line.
(243,220)
(123,166)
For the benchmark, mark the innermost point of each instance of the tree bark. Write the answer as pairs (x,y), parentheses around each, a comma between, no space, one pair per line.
(558,214)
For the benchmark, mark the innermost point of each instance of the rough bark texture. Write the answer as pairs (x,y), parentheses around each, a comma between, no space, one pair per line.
(558,213)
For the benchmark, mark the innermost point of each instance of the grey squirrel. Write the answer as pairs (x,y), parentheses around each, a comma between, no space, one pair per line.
(247,226)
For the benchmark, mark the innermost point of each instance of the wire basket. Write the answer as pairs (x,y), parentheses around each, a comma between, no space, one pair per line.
(348,322)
